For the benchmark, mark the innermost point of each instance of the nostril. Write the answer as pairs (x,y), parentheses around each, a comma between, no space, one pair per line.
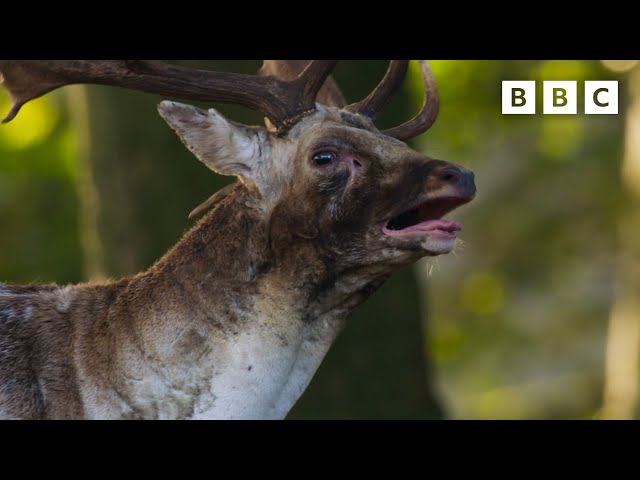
(451,175)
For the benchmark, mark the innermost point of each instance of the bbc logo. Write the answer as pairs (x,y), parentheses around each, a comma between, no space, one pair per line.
(560,97)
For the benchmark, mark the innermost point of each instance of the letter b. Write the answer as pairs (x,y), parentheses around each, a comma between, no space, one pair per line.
(560,97)
(518,97)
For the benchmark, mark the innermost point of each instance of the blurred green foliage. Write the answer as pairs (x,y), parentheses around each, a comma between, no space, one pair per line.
(517,315)
(39,237)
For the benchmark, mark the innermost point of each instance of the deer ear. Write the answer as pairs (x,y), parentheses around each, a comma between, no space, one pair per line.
(224,146)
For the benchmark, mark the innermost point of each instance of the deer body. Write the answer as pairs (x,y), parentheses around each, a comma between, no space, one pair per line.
(236,318)
(205,333)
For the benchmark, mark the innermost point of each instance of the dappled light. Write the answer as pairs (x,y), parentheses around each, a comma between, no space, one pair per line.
(560,137)
(38,202)
(620,66)
(518,319)
(34,125)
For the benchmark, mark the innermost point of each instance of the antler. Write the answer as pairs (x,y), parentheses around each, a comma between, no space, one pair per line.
(282,101)
(382,94)
(427,115)
(379,98)
(285,91)
(330,94)
(385,90)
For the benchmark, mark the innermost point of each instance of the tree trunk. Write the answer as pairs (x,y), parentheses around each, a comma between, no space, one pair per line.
(622,374)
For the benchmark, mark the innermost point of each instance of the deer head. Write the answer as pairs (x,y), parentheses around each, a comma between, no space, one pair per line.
(322,173)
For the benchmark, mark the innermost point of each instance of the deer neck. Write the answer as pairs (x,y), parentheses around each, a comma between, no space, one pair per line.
(240,332)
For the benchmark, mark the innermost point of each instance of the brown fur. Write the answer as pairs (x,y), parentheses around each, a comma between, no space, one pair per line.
(292,248)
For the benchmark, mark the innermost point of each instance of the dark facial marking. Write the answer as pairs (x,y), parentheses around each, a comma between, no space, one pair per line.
(335,183)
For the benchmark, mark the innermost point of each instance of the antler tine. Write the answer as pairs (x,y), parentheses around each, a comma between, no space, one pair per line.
(383,93)
(330,94)
(314,76)
(282,101)
(311,80)
(427,116)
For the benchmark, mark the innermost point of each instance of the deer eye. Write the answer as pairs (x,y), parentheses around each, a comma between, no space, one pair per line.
(324,158)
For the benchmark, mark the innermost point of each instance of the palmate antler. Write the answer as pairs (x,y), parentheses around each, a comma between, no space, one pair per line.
(283,102)
(286,90)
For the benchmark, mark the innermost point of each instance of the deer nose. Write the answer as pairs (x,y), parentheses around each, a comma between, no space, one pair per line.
(460,178)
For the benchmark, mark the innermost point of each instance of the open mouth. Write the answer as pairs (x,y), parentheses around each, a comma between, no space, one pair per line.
(426,217)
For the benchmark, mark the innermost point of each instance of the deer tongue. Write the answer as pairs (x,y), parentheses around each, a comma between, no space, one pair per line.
(443,227)
(429,225)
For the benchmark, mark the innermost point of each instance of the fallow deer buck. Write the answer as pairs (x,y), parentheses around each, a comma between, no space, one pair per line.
(235,319)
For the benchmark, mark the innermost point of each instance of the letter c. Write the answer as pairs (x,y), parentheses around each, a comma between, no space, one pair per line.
(595,97)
